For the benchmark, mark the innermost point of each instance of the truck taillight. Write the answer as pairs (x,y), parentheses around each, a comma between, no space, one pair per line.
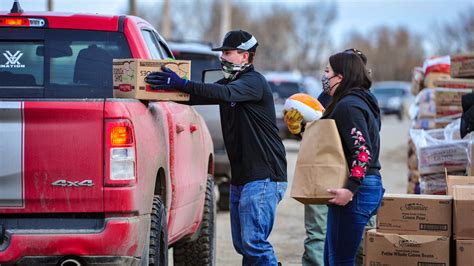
(120,135)
(120,157)
(22,22)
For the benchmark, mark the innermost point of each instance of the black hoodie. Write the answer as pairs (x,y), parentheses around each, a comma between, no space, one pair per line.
(248,125)
(357,117)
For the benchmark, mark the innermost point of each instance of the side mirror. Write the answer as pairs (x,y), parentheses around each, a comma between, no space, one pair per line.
(212,75)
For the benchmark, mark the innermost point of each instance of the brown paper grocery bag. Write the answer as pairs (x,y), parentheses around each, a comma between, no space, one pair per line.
(320,165)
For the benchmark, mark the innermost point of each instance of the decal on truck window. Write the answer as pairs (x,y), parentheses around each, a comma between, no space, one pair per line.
(13,60)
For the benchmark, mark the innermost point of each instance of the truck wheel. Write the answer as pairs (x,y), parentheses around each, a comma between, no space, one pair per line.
(158,242)
(200,250)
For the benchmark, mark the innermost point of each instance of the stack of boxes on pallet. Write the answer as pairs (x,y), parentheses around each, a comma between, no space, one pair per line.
(435,143)
(432,229)
(411,230)
(425,230)
(462,189)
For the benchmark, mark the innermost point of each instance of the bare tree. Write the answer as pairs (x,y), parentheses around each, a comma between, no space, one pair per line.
(50,5)
(275,33)
(239,19)
(313,23)
(132,7)
(391,53)
(289,38)
(458,36)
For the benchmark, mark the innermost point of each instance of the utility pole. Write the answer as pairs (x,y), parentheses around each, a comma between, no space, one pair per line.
(166,20)
(225,18)
(50,5)
(132,7)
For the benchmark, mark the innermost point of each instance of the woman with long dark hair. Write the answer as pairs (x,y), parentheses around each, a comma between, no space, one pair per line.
(357,116)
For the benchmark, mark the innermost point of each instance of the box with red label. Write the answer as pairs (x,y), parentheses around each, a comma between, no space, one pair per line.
(462,65)
(454,83)
(129,79)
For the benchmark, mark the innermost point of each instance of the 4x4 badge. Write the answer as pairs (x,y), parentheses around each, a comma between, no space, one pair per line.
(65,183)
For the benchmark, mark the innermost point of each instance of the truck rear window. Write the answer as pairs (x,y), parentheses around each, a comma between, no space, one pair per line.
(54,63)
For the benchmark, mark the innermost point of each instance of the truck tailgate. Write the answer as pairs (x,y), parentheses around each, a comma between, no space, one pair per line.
(51,156)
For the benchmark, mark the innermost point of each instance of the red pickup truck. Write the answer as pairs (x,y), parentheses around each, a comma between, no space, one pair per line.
(87,179)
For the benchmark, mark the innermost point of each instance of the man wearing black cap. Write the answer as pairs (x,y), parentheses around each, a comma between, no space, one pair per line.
(256,152)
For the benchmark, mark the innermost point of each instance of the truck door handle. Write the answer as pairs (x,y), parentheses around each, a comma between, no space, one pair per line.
(193,127)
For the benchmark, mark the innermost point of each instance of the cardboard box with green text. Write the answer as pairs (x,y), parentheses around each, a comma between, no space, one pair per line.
(410,214)
(395,250)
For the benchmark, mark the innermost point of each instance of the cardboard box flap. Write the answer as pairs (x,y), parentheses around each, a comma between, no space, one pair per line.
(396,239)
(418,196)
(456,180)
(463,192)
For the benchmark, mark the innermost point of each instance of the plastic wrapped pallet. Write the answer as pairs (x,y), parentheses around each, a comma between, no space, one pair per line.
(439,149)
(417,78)
(435,184)
(438,103)
(436,68)
(433,123)
(454,83)
(462,65)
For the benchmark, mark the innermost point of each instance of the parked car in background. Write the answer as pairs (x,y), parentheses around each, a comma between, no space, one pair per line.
(312,86)
(202,58)
(394,97)
(283,85)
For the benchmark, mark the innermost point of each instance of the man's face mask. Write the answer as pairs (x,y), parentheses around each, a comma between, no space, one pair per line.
(231,70)
(326,84)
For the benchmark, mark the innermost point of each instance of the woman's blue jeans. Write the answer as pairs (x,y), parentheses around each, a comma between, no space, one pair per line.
(252,213)
(345,224)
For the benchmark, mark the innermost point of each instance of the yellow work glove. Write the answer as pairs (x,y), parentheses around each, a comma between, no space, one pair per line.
(293,119)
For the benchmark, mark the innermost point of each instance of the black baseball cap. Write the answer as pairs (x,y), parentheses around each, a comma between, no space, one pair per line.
(238,40)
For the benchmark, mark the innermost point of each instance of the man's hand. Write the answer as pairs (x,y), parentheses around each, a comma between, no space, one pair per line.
(165,80)
(293,119)
(342,196)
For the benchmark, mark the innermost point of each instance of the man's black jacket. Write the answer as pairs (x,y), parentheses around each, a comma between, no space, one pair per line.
(248,125)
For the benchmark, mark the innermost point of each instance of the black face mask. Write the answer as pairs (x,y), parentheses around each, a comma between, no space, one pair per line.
(326,85)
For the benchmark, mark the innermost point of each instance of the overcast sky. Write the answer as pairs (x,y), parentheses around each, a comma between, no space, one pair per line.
(361,15)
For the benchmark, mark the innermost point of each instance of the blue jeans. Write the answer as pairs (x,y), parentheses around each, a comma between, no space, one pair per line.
(252,213)
(345,224)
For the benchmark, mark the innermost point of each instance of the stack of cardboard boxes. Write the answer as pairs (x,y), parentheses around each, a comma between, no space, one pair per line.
(425,229)
(439,87)
(438,150)
(411,230)
(462,189)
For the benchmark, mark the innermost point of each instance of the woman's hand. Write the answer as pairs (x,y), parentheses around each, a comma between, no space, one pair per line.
(342,196)
(293,119)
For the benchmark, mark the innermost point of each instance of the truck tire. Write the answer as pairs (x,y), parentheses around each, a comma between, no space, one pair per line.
(200,250)
(158,241)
